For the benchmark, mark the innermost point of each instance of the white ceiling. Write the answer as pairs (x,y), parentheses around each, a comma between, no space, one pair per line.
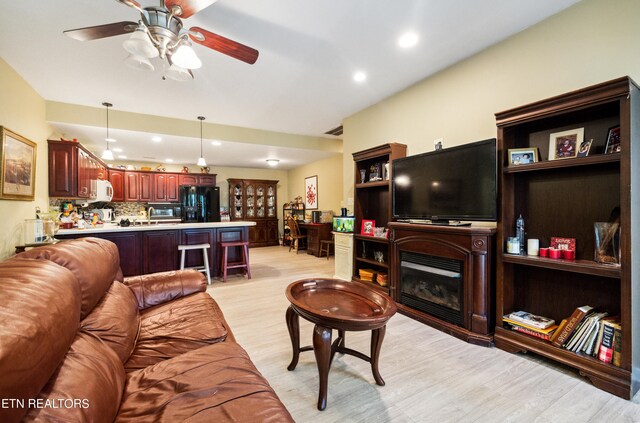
(302,82)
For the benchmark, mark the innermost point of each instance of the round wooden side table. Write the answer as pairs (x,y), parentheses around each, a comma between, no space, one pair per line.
(336,304)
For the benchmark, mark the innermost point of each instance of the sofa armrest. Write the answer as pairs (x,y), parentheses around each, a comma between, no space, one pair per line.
(157,288)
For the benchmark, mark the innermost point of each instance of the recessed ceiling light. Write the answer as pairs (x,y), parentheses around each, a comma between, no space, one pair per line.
(110,139)
(117,150)
(216,143)
(168,160)
(408,39)
(273,162)
(122,156)
(359,76)
(156,139)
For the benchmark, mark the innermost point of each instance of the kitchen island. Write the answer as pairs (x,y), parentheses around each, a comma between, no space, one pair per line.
(153,247)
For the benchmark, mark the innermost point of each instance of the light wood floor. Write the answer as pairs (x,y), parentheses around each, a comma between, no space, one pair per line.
(430,376)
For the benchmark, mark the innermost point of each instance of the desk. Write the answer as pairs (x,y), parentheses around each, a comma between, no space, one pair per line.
(315,232)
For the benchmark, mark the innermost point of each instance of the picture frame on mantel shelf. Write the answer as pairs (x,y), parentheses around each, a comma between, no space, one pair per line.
(565,144)
(367,227)
(17,166)
(311,192)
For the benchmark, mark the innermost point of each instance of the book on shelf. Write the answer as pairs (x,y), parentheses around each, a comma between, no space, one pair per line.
(598,340)
(590,341)
(590,328)
(572,322)
(531,319)
(617,344)
(514,322)
(605,353)
(530,332)
(557,331)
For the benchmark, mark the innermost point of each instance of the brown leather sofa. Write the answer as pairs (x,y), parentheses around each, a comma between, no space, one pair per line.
(78,342)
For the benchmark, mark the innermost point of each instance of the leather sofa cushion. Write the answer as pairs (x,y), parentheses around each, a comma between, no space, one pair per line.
(39,315)
(115,320)
(157,288)
(214,383)
(92,375)
(95,263)
(176,327)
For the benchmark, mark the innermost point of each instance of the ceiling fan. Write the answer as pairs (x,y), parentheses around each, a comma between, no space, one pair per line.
(160,33)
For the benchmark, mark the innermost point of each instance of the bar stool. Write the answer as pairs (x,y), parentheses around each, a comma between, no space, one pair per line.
(238,264)
(205,255)
(325,246)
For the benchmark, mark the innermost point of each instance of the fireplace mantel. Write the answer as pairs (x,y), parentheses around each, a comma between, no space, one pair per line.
(472,245)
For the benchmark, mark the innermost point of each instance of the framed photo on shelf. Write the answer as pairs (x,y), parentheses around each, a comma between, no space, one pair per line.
(367,227)
(565,144)
(519,156)
(613,140)
(584,149)
(17,166)
(311,192)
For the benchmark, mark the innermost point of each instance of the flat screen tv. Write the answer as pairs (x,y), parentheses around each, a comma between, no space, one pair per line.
(453,184)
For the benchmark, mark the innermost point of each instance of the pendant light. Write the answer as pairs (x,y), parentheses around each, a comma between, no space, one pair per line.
(107,154)
(201,161)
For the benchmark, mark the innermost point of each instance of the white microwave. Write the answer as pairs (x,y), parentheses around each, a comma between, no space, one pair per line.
(101,191)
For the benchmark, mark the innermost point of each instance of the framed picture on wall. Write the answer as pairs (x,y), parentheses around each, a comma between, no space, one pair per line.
(311,192)
(17,166)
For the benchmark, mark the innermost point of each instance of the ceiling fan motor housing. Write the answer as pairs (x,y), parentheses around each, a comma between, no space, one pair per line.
(163,27)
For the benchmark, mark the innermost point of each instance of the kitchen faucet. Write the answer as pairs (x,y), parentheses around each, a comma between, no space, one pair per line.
(149,211)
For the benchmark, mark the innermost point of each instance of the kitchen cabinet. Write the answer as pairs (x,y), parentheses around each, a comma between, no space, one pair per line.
(128,244)
(116,177)
(145,187)
(159,251)
(197,179)
(73,170)
(165,187)
(255,200)
(138,186)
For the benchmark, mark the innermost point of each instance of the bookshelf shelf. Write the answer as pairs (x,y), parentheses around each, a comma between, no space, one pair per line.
(372,262)
(588,267)
(565,198)
(373,285)
(373,184)
(369,238)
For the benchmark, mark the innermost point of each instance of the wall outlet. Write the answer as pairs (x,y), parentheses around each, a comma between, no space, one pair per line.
(438,143)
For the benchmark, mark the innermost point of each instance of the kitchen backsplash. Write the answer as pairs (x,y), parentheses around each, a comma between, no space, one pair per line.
(120,209)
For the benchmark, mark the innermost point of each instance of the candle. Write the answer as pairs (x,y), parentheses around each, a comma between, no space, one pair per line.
(533,246)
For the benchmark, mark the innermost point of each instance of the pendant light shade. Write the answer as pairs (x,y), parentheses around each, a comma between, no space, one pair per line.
(107,154)
(201,160)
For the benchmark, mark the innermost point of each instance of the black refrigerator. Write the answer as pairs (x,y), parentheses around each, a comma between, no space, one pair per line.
(200,204)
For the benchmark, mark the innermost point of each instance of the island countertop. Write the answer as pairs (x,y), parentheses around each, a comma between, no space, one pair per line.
(113,227)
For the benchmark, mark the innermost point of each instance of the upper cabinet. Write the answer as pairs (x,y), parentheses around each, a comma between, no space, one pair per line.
(255,200)
(73,170)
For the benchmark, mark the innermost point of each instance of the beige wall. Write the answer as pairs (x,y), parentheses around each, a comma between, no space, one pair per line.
(591,42)
(329,173)
(22,110)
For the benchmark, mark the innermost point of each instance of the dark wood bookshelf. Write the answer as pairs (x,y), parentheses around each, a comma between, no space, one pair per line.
(369,238)
(373,184)
(372,262)
(564,198)
(373,285)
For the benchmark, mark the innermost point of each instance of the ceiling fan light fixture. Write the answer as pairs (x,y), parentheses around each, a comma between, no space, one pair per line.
(178,73)
(185,57)
(139,44)
(138,63)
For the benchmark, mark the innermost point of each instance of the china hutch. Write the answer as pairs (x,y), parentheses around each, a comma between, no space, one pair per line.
(256,200)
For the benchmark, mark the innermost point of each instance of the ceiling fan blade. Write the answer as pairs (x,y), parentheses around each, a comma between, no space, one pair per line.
(188,7)
(132,3)
(101,31)
(223,45)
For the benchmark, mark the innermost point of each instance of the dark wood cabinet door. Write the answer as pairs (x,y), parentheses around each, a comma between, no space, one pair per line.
(116,177)
(63,162)
(272,232)
(172,191)
(194,257)
(207,180)
(145,189)
(128,244)
(159,187)
(131,186)
(84,175)
(188,180)
(159,251)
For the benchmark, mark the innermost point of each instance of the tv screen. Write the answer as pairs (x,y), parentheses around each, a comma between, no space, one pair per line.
(458,183)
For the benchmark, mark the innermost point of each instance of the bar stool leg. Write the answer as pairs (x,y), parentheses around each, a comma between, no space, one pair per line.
(224,264)
(182,259)
(205,255)
(246,260)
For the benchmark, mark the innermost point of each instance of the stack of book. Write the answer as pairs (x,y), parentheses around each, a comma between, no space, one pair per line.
(367,274)
(530,324)
(593,333)
(382,279)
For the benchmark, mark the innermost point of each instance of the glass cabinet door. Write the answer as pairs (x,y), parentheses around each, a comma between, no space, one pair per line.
(271,201)
(250,201)
(260,200)
(235,196)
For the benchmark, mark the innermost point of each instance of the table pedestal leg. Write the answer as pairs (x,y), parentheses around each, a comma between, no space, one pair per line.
(322,350)
(377,336)
(294,334)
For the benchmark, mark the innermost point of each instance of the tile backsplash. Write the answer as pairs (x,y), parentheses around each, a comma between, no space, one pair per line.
(119,208)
